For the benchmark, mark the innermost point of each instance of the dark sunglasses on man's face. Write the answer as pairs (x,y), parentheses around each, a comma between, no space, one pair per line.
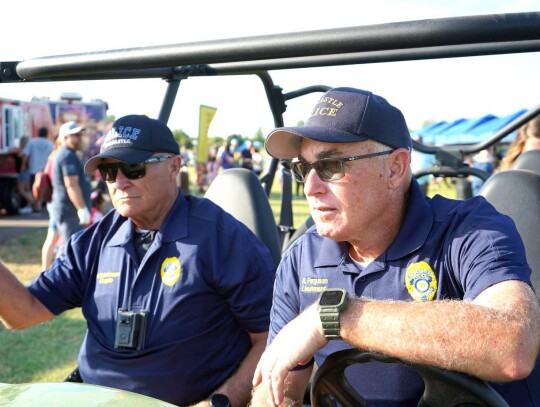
(109,171)
(327,169)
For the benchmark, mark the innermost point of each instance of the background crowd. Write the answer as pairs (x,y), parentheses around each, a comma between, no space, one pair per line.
(36,155)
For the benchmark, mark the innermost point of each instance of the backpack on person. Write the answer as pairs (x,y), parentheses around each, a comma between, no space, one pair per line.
(42,187)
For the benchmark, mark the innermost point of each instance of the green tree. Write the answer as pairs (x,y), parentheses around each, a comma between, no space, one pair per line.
(259,136)
(182,138)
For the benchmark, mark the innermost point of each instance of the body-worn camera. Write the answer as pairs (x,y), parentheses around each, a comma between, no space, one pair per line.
(130,329)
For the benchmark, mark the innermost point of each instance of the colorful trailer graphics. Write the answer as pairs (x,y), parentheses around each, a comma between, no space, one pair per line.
(20,119)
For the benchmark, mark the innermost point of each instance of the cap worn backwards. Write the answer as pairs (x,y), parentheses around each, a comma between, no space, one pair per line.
(133,139)
(344,115)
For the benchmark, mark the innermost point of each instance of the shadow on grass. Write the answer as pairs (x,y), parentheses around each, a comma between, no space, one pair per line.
(47,352)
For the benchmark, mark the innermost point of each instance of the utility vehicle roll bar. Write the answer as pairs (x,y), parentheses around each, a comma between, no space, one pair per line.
(257,55)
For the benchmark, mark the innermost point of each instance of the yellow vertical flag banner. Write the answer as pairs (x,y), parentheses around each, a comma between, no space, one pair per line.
(206,114)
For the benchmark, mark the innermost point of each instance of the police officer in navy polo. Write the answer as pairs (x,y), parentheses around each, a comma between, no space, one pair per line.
(387,269)
(175,291)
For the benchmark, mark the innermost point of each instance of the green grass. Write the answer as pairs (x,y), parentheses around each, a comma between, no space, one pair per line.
(46,352)
(445,188)
(43,353)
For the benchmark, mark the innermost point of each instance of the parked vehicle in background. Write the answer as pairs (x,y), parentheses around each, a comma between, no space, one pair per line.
(20,119)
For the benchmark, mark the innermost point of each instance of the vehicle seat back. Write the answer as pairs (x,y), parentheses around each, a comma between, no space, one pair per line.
(529,160)
(299,232)
(516,193)
(239,192)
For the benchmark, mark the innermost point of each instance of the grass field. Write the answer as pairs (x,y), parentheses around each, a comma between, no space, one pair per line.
(48,352)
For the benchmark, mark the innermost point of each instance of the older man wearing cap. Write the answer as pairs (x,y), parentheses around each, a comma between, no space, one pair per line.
(175,291)
(70,203)
(384,268)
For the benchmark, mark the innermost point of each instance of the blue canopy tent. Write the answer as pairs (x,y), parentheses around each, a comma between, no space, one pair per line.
(467,131)
(459,134)
(433,136)
(482,132)
(429,131)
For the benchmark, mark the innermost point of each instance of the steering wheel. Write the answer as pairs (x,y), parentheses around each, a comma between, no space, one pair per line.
(443,388)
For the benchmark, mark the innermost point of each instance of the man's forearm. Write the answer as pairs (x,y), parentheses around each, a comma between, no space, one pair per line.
(75,196)
(294,389)
(18,307)
(492,343)
(259,399)
(238,387)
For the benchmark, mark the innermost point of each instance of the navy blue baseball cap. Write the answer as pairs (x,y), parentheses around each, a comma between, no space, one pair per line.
(133,139)
(344,115)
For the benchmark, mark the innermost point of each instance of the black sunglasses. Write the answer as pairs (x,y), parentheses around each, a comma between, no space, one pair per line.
(109,171)
(328,169)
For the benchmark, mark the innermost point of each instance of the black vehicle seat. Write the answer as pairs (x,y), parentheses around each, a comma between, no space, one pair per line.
(299,232)
(516,193)
(239,192)
(529,160)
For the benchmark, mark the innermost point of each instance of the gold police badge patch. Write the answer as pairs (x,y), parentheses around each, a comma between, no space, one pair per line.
(170,271)
(420,281)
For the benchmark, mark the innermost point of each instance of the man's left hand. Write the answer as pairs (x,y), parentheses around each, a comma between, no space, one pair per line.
(294,345)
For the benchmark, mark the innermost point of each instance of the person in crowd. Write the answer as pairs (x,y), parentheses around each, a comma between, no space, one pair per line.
(257,159)
(527,138)
(176,292)
(34,158)
(98,206)
(71,203)
(52,240)
(234,149)
(212,168)
(433,281)
(201,179)
(247,156)
(225,155)
(185,156)
(485,160)
(24,187)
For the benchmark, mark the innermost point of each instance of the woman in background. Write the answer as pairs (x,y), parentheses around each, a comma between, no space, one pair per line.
(52,241)
(528,138)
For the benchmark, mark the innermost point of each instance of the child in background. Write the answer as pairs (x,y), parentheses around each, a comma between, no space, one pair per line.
(98,206)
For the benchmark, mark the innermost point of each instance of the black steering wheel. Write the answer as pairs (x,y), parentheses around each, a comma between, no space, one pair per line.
(442,388)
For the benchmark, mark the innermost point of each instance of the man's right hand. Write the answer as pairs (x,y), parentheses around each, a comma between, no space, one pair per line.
(294,345)
(84,216)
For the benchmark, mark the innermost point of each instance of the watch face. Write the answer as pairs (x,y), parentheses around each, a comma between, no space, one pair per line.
(219,400)
(331,298)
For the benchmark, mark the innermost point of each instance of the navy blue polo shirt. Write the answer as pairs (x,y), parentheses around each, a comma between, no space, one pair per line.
(445,249)
(206,283)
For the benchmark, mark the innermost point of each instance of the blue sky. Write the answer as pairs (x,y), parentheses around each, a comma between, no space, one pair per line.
(424,90)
